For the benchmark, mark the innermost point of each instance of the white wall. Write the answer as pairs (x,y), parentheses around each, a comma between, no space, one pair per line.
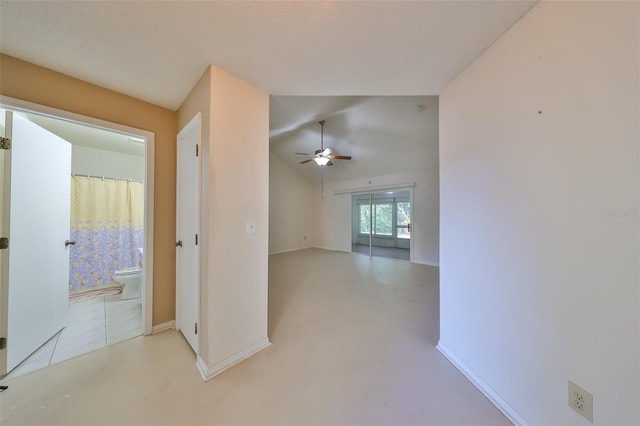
(539,213)
(291,208)
(235,189)
(333,223)
(98,162)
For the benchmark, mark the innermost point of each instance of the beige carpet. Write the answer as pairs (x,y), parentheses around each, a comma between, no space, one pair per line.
(353,343)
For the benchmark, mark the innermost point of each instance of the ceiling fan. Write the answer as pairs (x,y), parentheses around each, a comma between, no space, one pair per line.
(323,156)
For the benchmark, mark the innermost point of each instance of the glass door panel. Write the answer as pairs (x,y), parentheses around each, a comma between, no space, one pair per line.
(403,223)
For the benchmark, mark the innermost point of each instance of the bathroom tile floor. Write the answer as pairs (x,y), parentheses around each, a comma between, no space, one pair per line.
(92,324)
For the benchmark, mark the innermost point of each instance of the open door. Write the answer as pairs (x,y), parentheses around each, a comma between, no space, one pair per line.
(187,232)
(36,214)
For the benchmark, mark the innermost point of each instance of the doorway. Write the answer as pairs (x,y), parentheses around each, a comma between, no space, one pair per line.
(381,224)
(97,313)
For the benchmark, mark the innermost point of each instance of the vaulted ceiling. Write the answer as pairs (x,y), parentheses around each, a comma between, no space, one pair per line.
(383,134)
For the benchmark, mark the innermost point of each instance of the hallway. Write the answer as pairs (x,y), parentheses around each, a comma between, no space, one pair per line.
(353,342)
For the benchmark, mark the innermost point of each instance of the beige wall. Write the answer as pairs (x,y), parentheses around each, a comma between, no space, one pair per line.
(29,82)
(291,208)
(235,189)
(539,213)
(239,186)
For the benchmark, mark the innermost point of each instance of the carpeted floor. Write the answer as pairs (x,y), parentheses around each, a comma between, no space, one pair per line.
(353,343)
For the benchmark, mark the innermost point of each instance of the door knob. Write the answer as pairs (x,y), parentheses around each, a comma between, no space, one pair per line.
(69,243)
(179,243)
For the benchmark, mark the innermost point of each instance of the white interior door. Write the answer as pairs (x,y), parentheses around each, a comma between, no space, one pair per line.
(187,232)
(36,264)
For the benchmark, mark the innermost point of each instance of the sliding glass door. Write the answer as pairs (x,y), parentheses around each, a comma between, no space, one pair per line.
(382,224)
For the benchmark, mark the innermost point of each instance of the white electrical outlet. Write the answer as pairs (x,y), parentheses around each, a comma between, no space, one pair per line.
(581,401)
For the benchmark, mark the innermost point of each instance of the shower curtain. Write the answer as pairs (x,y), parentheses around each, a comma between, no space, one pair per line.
(107,226)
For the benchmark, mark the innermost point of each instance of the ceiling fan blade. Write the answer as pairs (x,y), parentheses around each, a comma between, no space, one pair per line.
(340,157)
(302,153)
(306,161)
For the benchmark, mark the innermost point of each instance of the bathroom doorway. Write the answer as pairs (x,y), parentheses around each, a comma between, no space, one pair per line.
(381,224)
(108,289)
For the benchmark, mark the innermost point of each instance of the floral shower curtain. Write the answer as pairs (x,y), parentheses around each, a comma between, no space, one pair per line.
(107,226)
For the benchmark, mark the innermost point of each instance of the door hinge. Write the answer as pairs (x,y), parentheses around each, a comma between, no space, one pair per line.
(197,150)
(3,343)
(4,243)
(5,143)
(196,239)
(196,328)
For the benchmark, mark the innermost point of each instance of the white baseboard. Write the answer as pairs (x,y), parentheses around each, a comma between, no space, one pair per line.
(332,249)
(209,372)
(290,250)
(162,327)
(202,367)
(426,264)
(496,399)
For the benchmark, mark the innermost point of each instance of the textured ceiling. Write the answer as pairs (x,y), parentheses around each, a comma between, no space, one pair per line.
(309,54)
(157,50)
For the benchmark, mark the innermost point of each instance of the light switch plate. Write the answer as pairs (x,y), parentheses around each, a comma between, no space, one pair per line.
(251,226)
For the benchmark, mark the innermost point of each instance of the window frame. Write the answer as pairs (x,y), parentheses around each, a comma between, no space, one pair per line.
(393,201)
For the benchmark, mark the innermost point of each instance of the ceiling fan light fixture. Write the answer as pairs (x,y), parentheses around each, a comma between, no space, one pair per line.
(323,156)
(321,161)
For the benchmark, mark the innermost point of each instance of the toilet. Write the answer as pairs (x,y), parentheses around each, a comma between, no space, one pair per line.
(131,279)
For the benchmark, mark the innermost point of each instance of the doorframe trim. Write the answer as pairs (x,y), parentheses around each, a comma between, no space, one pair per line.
(149,189)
